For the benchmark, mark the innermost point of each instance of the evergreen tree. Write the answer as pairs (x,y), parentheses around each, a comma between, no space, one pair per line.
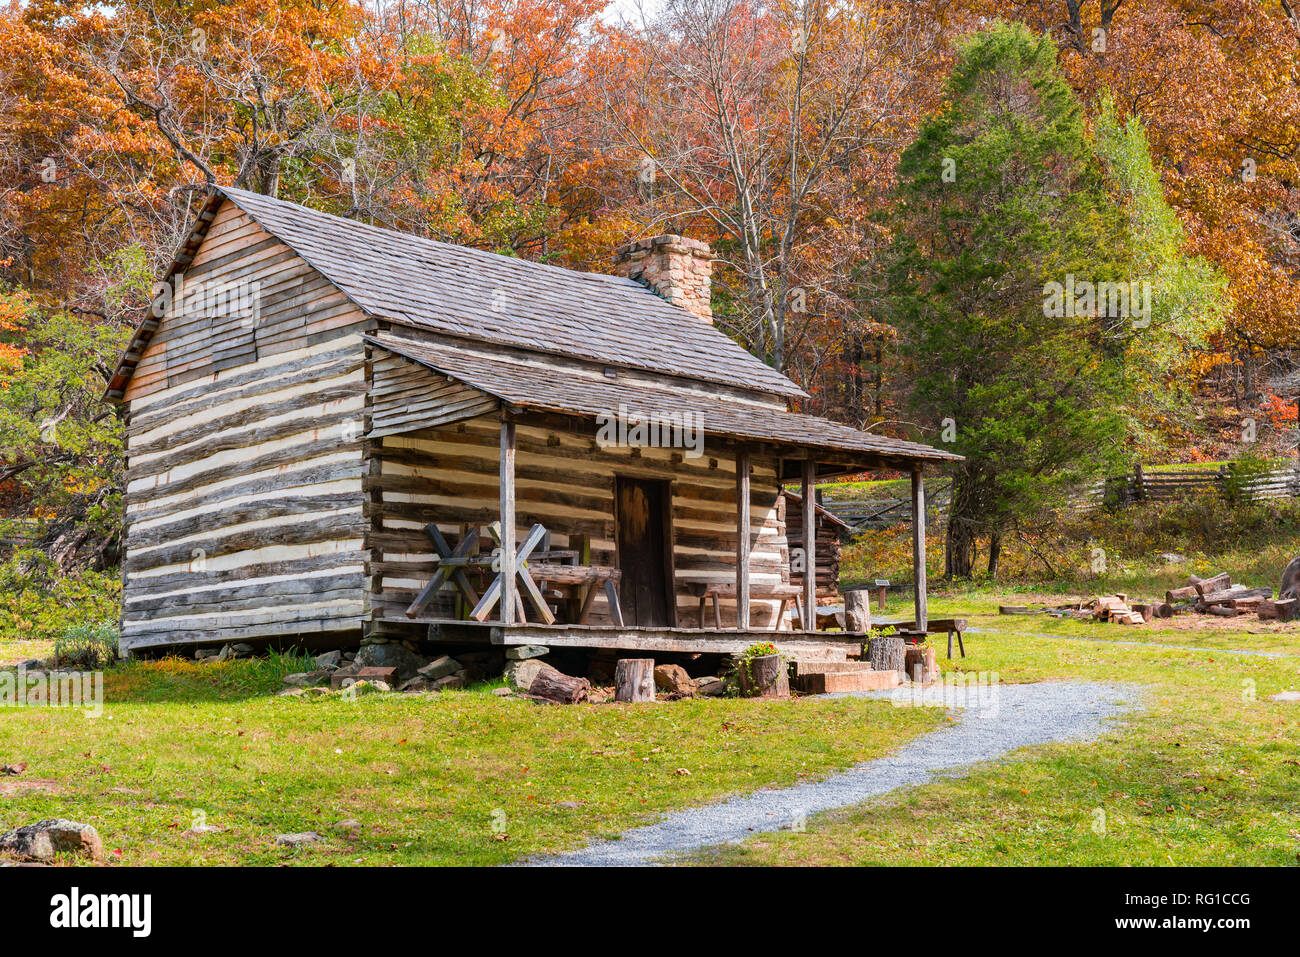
(1004,230)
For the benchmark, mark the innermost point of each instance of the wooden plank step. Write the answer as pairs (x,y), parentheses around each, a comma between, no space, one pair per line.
(806,666)
(833,682)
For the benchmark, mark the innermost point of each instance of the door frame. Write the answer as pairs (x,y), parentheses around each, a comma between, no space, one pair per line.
(669,489)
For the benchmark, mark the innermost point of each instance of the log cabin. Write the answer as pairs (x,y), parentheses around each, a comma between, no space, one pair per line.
(340,433)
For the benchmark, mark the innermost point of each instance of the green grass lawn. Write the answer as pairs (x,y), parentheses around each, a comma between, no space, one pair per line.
(456,778)
(1209,773)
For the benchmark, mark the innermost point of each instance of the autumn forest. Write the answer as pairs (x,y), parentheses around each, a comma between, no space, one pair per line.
(894,191)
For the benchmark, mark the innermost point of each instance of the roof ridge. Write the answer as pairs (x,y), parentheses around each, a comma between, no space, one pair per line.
(442,243)
(487,297)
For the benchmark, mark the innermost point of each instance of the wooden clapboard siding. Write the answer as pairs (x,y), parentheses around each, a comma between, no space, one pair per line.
(564,481)
(245,513)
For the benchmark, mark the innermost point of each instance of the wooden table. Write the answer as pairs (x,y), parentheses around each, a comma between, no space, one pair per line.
(453,562)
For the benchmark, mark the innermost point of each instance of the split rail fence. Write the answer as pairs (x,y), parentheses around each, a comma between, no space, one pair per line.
(1141,485)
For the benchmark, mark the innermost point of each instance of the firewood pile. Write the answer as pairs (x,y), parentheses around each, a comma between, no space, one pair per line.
(1115,608)
(1216,595)
(1206,596)
(1219,596)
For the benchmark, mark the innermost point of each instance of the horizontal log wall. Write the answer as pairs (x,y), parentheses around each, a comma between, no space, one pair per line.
(826,541)
(564,481)
(244,500)
(294,306)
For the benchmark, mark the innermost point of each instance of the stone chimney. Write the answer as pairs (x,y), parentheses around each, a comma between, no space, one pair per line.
(680,270)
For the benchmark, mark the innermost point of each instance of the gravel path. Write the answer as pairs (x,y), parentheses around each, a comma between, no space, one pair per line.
(992,722)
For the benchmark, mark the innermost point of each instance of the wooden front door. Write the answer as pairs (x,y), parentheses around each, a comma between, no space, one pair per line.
(644,551)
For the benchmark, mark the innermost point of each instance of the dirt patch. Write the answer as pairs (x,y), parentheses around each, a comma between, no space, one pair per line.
(11,787)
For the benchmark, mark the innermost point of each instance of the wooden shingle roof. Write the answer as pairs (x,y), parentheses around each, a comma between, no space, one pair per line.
(525,385)
(475,294)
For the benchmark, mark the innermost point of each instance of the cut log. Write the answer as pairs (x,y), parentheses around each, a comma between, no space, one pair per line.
(764,677)
(1283,609)
(1223,611)
(1206,586)
(857,610)
(1145,610)
(1235,593)
(1176,595)
(887,653)
(556,686)
(1164,610)
(634,679)
(920,664)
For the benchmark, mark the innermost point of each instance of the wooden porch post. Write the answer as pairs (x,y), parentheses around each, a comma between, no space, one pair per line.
(809,545)
(507,474)
(742,538)
(918,547)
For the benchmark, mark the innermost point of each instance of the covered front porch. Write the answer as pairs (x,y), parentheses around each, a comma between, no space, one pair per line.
(510,512)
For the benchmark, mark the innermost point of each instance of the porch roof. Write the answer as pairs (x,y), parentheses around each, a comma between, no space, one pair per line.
(532,386)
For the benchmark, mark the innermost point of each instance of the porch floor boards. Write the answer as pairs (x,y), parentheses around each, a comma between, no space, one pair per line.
(810,644)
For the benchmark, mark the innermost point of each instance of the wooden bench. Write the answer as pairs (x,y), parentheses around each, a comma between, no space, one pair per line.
(936,626)
(715,590)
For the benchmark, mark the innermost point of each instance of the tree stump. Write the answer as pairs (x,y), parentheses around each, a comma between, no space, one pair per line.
(920,663)
(887,653)
(764,677)
(857,610)
(634,679)
(556,686)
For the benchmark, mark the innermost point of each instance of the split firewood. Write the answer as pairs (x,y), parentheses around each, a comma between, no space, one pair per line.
(1147,611)
(1102,608)
(1113,608)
